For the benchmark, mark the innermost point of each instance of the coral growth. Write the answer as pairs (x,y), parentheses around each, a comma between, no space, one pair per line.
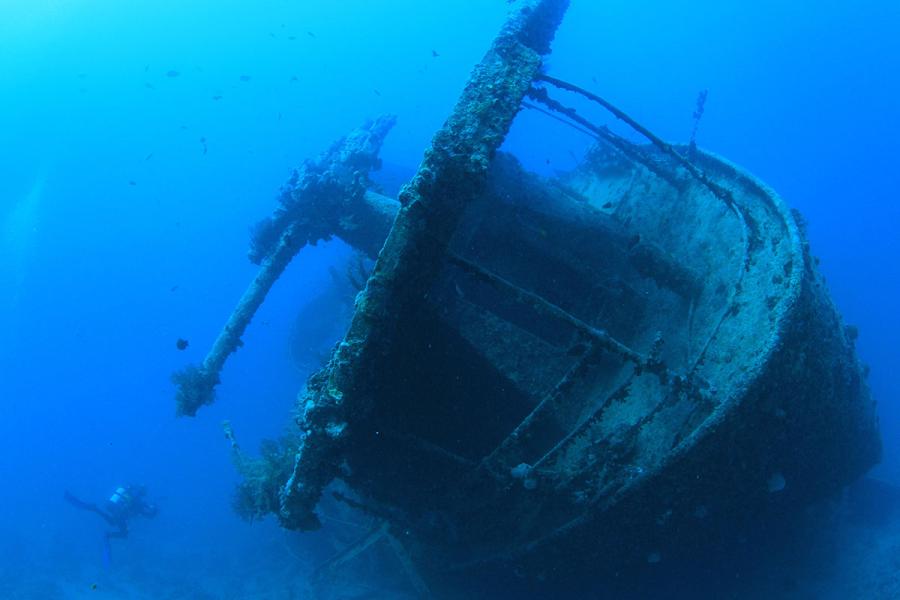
(196,387)
(259,493)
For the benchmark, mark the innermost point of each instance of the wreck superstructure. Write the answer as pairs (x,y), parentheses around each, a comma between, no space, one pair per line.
(550,374)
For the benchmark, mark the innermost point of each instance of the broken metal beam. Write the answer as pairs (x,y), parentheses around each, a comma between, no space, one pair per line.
(602,339)
(627,148)
(325,197)
(498,460)
(723,194)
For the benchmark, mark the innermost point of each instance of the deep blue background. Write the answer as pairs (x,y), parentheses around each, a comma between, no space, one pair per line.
(119,234)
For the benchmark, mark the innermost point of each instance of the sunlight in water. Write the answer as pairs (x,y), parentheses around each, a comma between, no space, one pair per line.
(17,238)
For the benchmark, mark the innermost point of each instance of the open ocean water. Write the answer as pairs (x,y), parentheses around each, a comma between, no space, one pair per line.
(140,140)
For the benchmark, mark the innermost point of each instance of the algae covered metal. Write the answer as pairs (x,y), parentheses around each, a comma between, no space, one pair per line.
(544,375)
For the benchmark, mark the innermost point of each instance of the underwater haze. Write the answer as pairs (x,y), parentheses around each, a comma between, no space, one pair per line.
(142,140)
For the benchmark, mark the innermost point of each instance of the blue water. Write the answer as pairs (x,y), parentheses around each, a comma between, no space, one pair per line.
(141,139)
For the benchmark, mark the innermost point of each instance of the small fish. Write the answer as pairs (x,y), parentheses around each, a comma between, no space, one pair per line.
(149,156)
(294,78)
(203,141)
(291,38)
(434,54)
(132,182)
(172,73)
(174,288)
(377,93)
(279,116)
(217,97)
(245,78)
(149,86)
(776,483)
(181,344)
(93,586)
(310,34)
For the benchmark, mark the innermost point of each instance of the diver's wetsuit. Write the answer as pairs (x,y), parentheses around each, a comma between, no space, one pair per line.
(125,503)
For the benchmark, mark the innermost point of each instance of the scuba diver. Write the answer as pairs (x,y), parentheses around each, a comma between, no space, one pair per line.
(126,502)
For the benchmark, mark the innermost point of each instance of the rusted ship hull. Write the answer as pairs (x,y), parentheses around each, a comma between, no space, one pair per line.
(544,377)
(500,439)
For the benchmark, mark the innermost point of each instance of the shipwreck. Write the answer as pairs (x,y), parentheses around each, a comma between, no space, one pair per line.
(543,375)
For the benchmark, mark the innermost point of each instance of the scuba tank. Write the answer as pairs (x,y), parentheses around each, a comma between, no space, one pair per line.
(120,498)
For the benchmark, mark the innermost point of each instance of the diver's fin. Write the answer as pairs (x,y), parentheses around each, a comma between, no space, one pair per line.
(79,503)
(91,507)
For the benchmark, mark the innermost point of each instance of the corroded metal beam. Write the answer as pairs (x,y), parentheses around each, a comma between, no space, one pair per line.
(451,176)
(325,197)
